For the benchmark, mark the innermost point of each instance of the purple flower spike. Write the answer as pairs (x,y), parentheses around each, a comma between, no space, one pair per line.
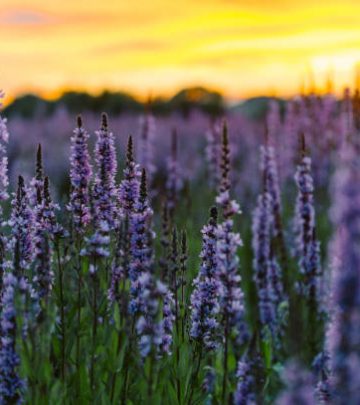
(145,149)
(22,224)
(4,139)
(130,185)
(262,225)
(11,386)
(299,386)
(80,175)
(204,299)
(231,296)
(307,247)
(344,335)
(104,192)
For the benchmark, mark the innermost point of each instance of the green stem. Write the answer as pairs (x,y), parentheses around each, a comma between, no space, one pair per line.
(195,375)
(62,313)
(225,362)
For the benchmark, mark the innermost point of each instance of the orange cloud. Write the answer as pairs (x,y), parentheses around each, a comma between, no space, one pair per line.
(241,47)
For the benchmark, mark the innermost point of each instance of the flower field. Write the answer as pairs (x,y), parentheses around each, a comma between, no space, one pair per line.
(182,259)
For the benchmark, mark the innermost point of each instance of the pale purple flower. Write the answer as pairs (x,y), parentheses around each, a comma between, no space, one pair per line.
(43,274)
(130,185)
(321,369)
(245,389)
(154,322)
(273,119)
(141,250)
(22,226)
(299,386)
(49,208)
(204,299)
(213,138)
(307,246)
(4,139)
(262,262)
(104,190)
(145,154)
(232,308)
(80,175)
(11,385)
(37,183)
(270,173)
(154,335)
(120,262)
(344,333)
(174,179)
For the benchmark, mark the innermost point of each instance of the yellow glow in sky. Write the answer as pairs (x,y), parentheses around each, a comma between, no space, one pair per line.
(243,48)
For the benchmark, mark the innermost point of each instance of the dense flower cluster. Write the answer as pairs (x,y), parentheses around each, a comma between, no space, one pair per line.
(299,386)
(204,299)
(104,190)
(269,169)
(245,390)
(145,154)
(22,226)
(130,184)
(263,262)
(11,385)
(227,243)
(344,337)
(4,138)
(80,175)
(174,180)
(213,138)
(153,325)
(307,247)
(141,251)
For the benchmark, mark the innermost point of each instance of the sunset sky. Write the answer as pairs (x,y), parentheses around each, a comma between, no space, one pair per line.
(242,48)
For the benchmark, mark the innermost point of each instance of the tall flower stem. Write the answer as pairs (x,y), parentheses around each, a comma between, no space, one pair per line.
(95,280)
(225,360)
(78,315)
(195,374)
(62,310)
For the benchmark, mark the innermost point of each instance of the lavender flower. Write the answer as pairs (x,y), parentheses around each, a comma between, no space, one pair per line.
(37,183)
(11,386)
(80,174)
(231,296)
(204,299)
(130,185)
(145,149)
(43,277)
(213,137)
(4,138)
(141,252)
(209,381)
(146,294)
(120,262)
(307,247)
(245,390)
(104,192)
(262,225)
(168,319)
(321,368)
(271,183)
(155,337)
(49,208)
(22,226)
(273,119)
(344,335)
(299,386)
(174,181)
